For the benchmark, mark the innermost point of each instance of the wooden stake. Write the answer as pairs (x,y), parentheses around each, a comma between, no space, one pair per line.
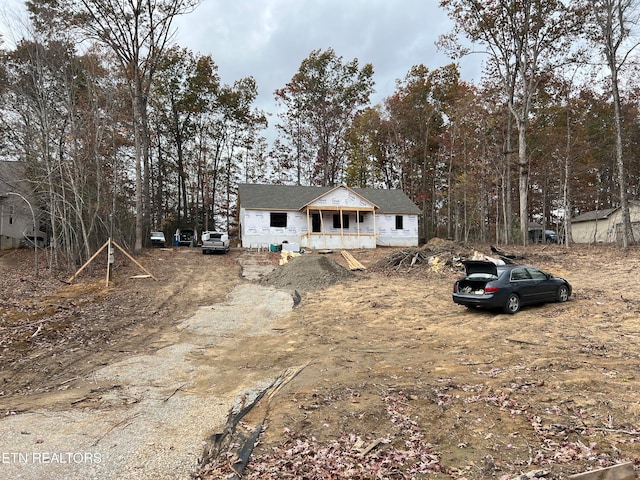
(107,243)
(108,263)
(87,262)
(135,261)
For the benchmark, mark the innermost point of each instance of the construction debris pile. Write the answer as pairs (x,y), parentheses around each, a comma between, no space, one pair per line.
(437,256)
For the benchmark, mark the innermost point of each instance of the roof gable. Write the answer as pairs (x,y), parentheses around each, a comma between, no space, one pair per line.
(342,197)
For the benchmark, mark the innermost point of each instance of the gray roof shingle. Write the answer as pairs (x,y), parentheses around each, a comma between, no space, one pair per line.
(288,197)
(594,215)
(12,178)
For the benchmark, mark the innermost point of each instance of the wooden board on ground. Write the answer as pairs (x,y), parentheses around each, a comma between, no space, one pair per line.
(624,471)
(352,262)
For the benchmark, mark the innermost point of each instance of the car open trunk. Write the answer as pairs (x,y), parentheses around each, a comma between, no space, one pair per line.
(472,287)
(478,274)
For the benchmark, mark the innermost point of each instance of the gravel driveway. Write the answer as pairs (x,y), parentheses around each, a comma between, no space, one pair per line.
(155,410)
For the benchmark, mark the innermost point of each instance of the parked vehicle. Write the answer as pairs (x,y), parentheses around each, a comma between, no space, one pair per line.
(215,242)
(157,239)
(547,236)
(551,236)
(186,237)
(507,287)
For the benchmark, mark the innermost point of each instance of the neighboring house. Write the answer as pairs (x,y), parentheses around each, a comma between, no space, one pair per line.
(326,217)
(604,226)
(16,217)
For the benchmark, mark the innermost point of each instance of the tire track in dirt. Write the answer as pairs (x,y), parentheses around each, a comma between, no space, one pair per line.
(148,413)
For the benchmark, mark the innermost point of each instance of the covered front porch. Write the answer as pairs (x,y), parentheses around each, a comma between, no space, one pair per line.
(339,227)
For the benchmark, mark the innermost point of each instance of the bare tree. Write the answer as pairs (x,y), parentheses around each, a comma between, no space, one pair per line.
(523,39)
(612,29)
(137,31)
(321,100)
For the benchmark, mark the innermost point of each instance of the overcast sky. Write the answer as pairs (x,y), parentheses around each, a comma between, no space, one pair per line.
(268,39)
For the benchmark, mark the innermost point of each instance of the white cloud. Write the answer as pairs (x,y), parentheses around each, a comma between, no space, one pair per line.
(268,39)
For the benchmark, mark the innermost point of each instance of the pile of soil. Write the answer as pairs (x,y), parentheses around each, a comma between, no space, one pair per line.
(307,273)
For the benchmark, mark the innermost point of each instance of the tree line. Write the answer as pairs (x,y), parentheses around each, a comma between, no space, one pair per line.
(124,132)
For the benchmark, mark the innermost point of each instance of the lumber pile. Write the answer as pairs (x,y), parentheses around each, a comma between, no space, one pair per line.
(352,262)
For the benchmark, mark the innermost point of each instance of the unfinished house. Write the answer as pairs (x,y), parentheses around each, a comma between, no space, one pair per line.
(326,217)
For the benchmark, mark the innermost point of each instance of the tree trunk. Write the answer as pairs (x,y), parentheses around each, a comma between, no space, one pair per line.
(523,180)
(627,232)
(137,127)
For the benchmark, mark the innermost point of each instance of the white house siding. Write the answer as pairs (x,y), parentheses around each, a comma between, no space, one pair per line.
(15,222)
(257,232)
(594,231)
(606,230)
(341,198)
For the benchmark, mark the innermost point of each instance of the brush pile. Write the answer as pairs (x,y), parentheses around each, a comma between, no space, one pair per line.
(436,256)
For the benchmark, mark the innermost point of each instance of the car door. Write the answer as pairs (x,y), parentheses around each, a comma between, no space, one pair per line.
(523,285)
(543,289)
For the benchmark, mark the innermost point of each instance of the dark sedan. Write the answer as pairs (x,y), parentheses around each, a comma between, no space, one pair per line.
(507,287)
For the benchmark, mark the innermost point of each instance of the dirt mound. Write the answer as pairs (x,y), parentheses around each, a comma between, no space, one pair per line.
(307,273)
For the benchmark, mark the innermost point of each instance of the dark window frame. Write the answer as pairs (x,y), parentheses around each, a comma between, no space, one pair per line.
(345,220)
(399,222)
(278,219)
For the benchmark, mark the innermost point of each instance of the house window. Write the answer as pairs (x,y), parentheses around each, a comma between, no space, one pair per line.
(399,222)
(336,221)
(278,219)
(316,223)
(360,218)
(12,211)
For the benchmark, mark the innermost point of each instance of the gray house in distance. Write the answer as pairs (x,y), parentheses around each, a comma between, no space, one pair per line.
(326,217)
(604,226)
(16,217)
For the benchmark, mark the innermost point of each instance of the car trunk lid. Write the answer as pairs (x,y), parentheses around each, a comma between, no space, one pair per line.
(480,267)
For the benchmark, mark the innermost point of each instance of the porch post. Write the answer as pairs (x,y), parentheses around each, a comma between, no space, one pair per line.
(358,226)
(324,238)
(375,230)
(341,228)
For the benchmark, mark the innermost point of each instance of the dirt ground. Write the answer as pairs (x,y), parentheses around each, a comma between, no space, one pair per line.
(391,379)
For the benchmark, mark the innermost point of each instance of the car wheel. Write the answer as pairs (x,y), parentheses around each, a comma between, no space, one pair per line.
(513,304)
(563,293)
